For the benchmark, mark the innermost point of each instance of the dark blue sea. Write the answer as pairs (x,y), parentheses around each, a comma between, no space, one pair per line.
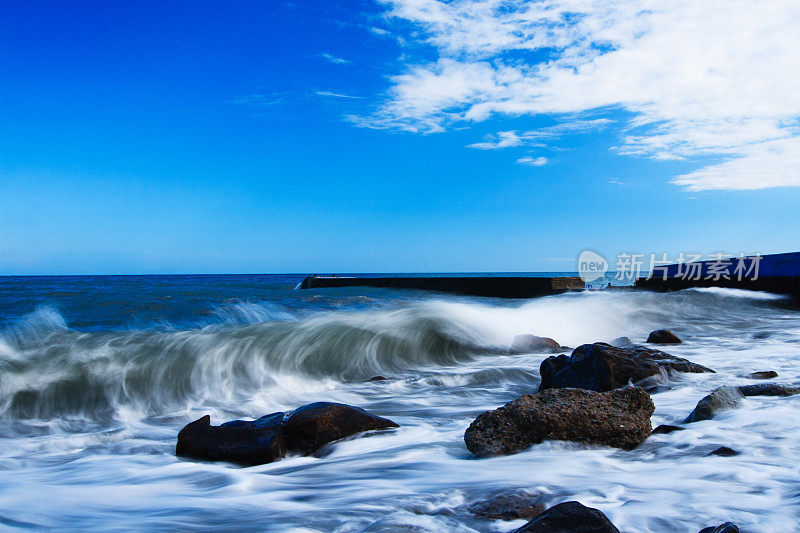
(99,373)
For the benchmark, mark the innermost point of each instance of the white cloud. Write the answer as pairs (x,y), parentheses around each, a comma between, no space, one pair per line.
(532,161)
(716,78)
(333,59)
(503,139)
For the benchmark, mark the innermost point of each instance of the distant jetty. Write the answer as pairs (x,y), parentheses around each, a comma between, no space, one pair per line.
(776,273)
(488,286)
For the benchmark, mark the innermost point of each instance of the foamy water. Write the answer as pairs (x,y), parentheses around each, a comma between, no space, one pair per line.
(90,415)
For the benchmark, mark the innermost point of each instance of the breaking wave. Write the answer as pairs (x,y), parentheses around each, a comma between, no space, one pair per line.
(48,370)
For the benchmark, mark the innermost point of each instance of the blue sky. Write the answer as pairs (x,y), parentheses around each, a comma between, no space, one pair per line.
(262,136)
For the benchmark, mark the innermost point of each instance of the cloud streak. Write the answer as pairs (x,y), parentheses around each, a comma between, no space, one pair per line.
(333,59)
(717,78)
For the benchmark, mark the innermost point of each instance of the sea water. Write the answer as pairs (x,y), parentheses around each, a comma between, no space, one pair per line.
(98,375)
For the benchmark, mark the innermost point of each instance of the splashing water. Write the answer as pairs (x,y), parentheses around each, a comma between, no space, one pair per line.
(97,378)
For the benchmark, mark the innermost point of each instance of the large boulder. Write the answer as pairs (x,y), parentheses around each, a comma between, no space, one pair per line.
(569,517)
(602,367)
(270,437)
(312,426)
(725,398)
(244,442)
(620,418)
(534,344)
(663,336)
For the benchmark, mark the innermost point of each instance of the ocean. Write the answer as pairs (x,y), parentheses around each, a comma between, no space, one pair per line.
(99,373)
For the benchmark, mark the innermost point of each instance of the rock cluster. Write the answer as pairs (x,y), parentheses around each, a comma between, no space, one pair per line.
(725,398)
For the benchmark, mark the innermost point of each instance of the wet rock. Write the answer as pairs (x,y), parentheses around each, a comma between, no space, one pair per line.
(248,443)
(767,374)
(534,344)
(724,451)
(663,429)
(312,426)
(727,527)
(569,517)
(621,342)
(725,398)
(620,418)
(269,438)
(377,378)
(722,399)
(663,336)
(768,389)
(508,507)
(602,367)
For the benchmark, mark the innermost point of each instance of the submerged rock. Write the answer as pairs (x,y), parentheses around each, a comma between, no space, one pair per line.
(602,367)
(768,389)
(724,451)
(534,344)
(270,437)
(663,336)
(725,398)
(727,527)
(663,429)
(312,426)
(508,507)
(621,342)
(766,374)
(620,418)
(249,443)
(722,399)
(569,517)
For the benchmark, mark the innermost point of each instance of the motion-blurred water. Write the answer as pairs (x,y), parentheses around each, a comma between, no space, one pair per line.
(98,374)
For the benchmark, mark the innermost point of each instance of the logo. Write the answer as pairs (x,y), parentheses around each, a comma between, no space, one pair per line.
(591,266)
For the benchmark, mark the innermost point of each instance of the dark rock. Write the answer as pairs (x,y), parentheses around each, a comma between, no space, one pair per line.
(569,517)
(378,378)
(663,336)
(534,344)
(767,374)
(727,527)
(724,451)
(666,428)
(725,398)
(508,507)
(270,437)
(722,399)
(312,426)
(602,367)
(621,342)
(620,418)
(768,389)
(248,443)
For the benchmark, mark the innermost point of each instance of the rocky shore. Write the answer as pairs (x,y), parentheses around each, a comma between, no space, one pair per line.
(599,395)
